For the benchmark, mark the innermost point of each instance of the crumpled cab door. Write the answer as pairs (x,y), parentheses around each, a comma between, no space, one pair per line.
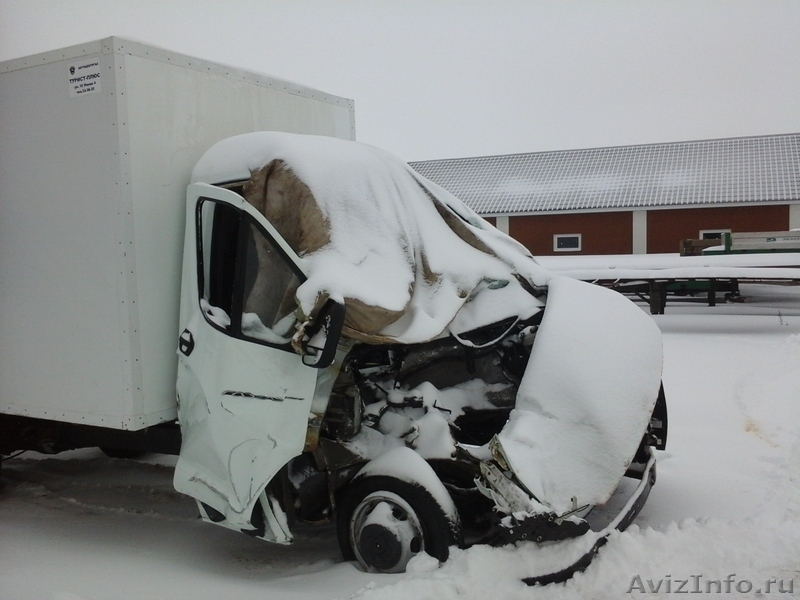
(244,395)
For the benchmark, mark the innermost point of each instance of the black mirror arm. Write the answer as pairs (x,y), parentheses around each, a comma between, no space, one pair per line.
(329,322)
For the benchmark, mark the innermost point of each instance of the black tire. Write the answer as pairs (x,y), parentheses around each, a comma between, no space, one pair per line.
(420,524)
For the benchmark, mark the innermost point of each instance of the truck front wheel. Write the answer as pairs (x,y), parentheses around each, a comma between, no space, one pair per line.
(384,522)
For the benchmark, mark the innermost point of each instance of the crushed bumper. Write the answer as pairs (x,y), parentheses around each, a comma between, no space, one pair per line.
(620,522)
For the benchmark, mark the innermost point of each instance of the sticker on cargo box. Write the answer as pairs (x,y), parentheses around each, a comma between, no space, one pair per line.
(84,77)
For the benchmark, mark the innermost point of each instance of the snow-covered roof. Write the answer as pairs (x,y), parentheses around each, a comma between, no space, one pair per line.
(610,267)
(696,173)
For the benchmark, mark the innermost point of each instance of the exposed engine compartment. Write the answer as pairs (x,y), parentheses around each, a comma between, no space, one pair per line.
(446,399)
(469,382)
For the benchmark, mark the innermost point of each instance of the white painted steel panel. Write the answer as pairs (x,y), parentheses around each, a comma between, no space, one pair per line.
(61,351)
(92,197)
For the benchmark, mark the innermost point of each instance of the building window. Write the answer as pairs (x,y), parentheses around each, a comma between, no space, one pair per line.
(712,234)
(567,242)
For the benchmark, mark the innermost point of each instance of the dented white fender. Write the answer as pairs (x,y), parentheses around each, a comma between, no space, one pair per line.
(406,465)
(586,396)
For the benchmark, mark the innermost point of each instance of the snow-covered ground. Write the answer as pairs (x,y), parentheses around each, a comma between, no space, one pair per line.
(724,516)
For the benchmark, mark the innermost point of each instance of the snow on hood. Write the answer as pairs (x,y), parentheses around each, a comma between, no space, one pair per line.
(410,261)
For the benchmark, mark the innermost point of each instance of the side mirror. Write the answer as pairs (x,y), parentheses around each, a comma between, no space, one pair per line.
(322,336)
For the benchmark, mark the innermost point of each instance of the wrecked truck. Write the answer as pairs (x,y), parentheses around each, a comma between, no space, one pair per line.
(341,340)
(358,345)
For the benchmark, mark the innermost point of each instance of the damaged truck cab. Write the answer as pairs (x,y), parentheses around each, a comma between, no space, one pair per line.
(506,419)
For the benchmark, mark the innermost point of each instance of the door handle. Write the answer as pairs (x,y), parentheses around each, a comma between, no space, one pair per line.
(186,342)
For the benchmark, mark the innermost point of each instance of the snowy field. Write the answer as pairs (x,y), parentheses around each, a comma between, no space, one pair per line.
(723,518)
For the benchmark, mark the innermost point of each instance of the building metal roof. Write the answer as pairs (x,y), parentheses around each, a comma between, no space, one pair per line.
(727,171)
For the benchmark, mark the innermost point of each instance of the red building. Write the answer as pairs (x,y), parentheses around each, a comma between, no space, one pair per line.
(631,199)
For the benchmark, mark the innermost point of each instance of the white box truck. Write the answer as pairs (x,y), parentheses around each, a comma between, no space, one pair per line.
(200,261)
(97,145)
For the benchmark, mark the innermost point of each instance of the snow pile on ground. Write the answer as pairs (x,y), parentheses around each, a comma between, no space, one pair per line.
(726,507)
(634,561)
(724,513)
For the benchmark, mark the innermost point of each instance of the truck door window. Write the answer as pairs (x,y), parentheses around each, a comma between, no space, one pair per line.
(268,304)
(247,285)
(219,241)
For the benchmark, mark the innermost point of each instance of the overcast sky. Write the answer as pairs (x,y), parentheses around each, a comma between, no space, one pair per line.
(450,78)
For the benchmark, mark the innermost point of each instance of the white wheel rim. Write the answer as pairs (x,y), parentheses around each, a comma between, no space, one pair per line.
(398,520)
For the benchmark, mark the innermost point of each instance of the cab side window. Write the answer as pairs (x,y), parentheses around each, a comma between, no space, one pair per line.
(247,285)
(268,307)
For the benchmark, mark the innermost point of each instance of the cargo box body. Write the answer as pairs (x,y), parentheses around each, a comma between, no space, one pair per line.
(97,144)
